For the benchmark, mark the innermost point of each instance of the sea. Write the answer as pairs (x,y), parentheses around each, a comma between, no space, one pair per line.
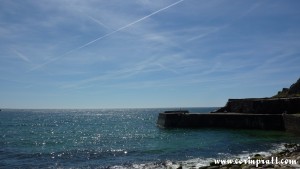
(121,139)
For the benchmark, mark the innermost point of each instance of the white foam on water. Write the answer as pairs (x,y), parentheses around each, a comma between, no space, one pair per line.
(200,162)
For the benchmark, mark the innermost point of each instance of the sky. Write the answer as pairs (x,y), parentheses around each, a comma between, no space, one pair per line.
(145,53)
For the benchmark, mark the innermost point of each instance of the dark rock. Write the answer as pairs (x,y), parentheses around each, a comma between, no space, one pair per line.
(290,145)
(214,164)
(204,167)
(245,166)
(180,167)
(224,167)
(235,167)
(257,157)
(213,167)
(268,166)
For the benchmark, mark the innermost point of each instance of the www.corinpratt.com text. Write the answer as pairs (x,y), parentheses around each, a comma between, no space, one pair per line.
(256,162)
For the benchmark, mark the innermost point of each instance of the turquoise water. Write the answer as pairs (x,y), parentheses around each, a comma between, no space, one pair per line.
(117,138)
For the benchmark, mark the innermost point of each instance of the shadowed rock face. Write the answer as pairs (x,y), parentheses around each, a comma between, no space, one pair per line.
(293,91)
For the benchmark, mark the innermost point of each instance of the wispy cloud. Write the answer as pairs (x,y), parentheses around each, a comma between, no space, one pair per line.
(277,59)
(106,35)
(22,56)
(208,32)
(153,46)
(99,22)
(176,65)
(224,26)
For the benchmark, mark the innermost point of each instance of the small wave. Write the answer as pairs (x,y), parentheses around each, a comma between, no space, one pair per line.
(199,162)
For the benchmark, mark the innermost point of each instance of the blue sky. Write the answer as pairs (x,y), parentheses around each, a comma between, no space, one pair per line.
(145,53)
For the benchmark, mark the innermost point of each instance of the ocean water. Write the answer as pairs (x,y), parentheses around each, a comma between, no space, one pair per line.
(119,138)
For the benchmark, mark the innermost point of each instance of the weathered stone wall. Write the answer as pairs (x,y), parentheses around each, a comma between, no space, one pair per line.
(292,123)
(262,106)
(287,122)
(221,120)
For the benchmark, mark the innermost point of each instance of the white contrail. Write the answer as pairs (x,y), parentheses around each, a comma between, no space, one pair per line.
(108,34)
(128,25)
(21,56)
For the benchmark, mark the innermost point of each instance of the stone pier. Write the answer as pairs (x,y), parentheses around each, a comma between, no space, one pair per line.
(284,122)
(221,120)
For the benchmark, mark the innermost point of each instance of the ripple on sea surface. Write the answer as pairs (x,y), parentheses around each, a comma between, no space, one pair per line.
(116,137)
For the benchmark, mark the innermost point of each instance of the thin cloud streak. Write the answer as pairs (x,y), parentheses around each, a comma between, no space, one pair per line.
(217,29)
(207,33)
(21,56)
(150,65)
(106,35)
(98,22)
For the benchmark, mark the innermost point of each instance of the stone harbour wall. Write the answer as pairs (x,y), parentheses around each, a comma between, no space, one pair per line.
(287,122)
(292,123)
(262,106)
(221,120)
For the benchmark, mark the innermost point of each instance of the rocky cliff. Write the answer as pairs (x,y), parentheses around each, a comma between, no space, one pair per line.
(293,91)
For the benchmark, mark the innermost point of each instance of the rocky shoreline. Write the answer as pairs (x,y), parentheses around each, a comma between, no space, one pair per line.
(290,154)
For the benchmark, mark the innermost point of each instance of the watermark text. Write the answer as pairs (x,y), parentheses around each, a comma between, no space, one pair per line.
(257,162)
